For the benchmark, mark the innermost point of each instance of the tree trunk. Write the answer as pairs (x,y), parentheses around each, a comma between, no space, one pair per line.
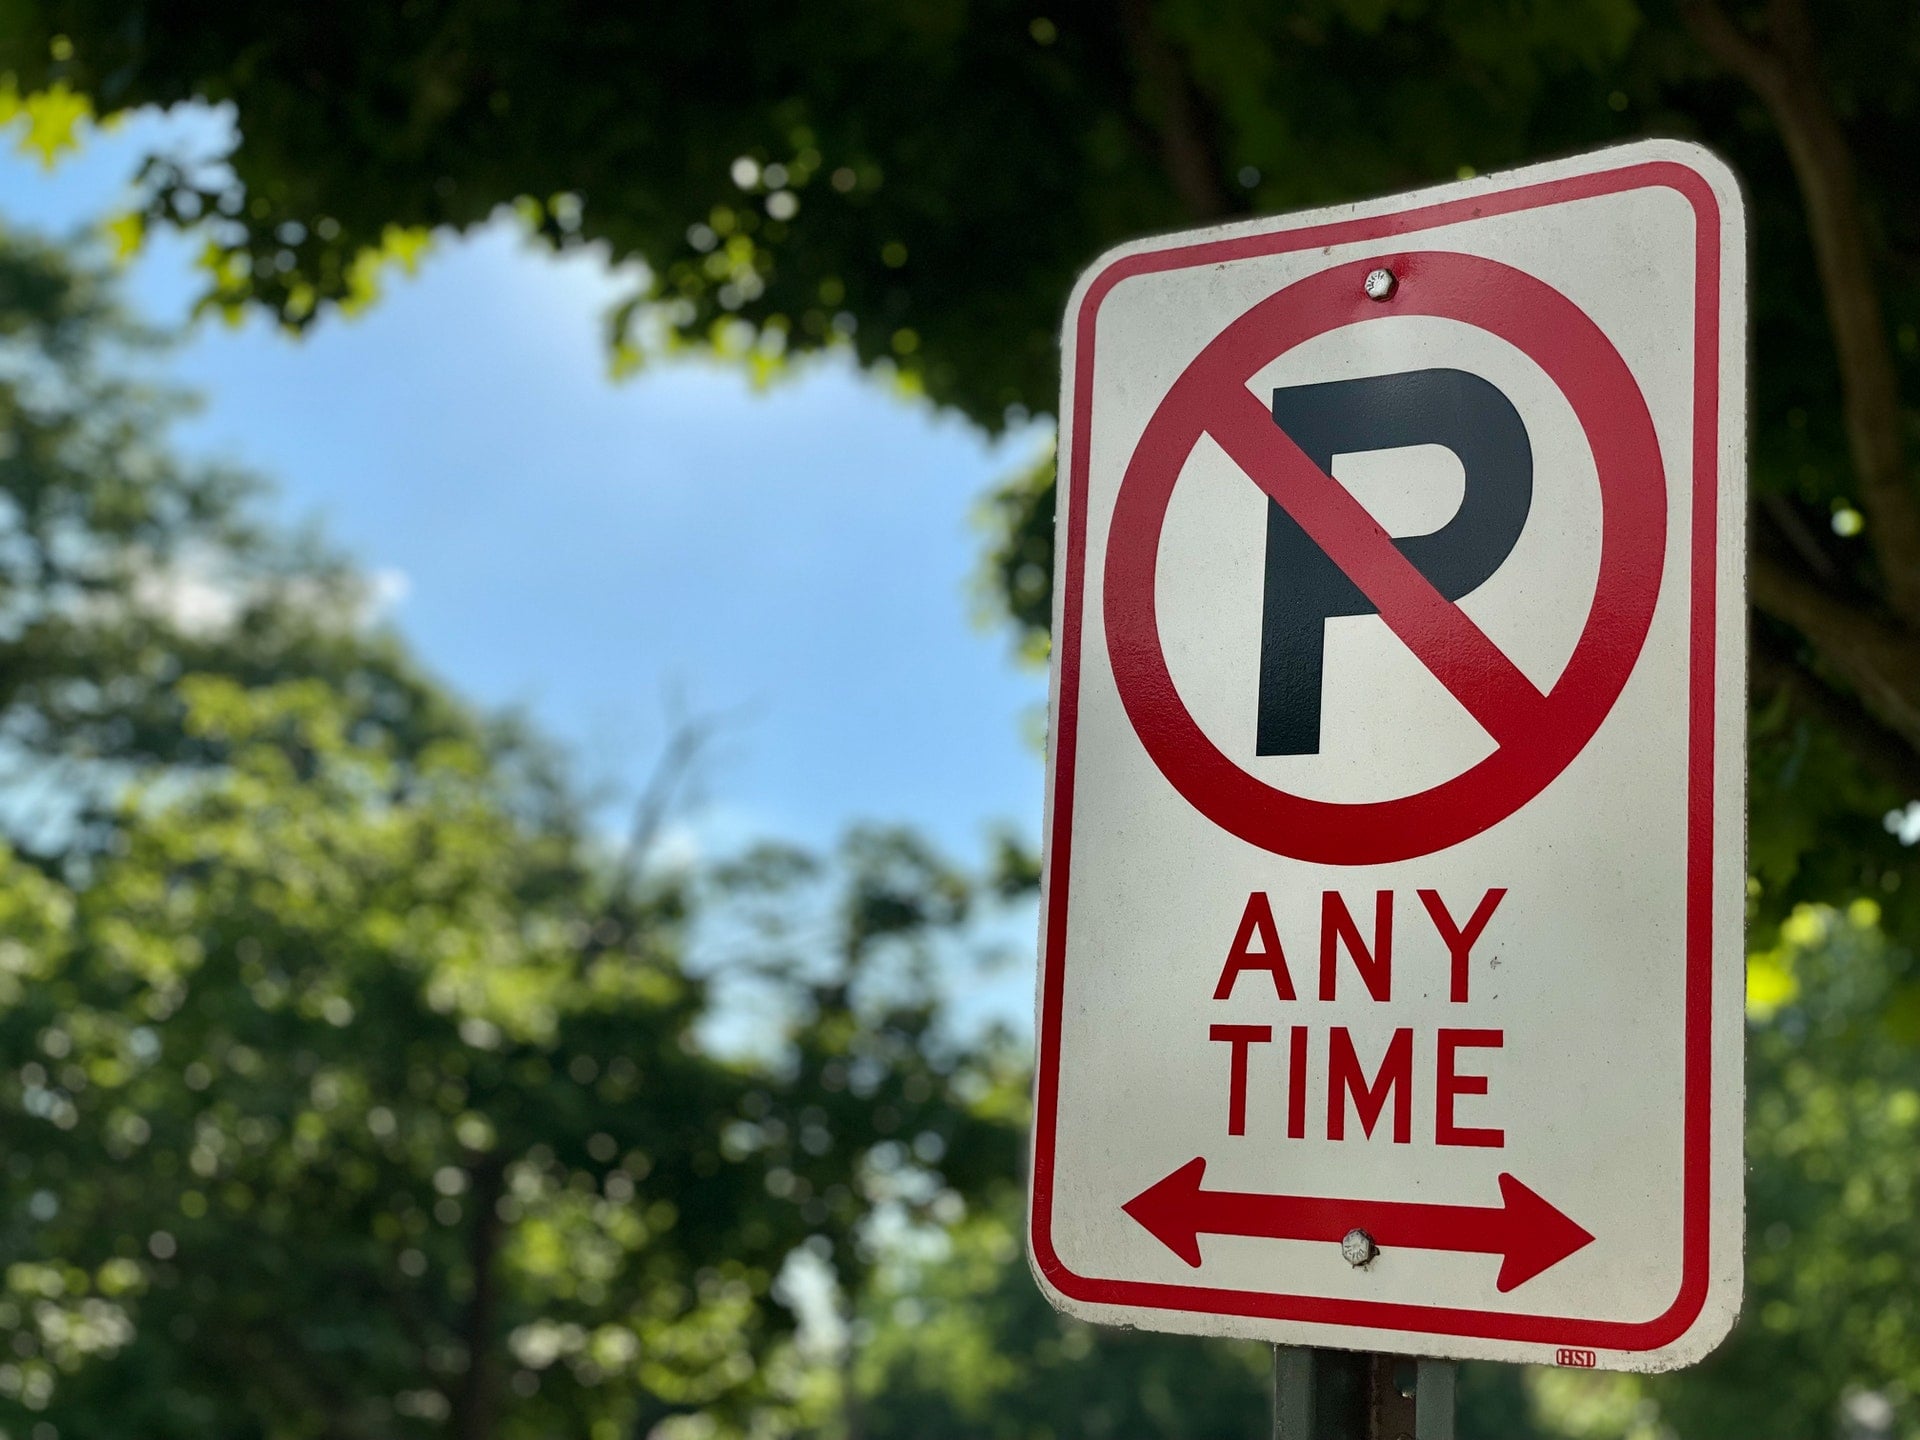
(1176,113)
(1863,676)
(476,1398)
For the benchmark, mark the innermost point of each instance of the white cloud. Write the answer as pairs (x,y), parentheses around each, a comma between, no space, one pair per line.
(194,598)
(387,590)
(197,593)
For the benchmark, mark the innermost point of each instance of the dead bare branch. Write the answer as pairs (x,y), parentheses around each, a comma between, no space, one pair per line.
(665,790)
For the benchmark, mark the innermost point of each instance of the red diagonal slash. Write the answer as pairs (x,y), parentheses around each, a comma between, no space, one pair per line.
(1477,672)
(1536,737)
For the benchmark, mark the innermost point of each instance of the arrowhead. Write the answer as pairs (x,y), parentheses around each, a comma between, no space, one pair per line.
(1537,1236)
(1169,1210)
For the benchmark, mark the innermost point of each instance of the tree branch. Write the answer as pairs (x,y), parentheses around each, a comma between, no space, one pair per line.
(1878,748)
(1880,661)
(1785,74)
(1794,530)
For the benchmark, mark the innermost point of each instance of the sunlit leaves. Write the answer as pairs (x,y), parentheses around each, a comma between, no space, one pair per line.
(50,121)
(1834,1201)
(1015,582)
(126,233)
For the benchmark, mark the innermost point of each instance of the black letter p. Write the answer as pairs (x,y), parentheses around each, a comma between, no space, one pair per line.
(1304,588)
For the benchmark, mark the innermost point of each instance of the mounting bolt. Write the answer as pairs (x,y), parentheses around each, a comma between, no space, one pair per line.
(1380,284)
(1357,1248)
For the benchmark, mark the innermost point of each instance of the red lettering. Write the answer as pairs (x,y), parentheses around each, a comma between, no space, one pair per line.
(1345,1077)
(1256,920)
(1297,1085)
(1240,1037)
(1459,940)
(1376,964)
(1447,1085)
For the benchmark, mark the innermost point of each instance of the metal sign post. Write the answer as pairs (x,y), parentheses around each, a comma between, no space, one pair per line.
(1356,1395)
(1392,954)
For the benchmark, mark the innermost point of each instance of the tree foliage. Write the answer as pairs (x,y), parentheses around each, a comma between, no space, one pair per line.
(1832,1321)
(917,186)
(353,1087)
(355,1108)
(124,567)
(959,1345)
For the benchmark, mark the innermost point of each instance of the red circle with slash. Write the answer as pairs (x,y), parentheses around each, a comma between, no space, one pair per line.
(1537,735)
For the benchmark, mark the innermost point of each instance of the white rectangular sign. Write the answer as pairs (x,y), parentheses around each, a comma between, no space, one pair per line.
(1391,977)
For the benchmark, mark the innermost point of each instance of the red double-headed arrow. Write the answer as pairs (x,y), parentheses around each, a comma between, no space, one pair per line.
(1528,1234)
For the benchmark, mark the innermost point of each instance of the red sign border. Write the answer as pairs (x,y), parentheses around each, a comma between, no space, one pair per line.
(1696,1175)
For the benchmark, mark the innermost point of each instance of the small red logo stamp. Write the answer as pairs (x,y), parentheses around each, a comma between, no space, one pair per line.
(1578,1359)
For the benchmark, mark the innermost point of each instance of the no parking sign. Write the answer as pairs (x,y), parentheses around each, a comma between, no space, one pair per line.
(1391,974)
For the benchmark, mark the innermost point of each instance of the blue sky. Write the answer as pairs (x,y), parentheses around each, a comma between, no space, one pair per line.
(798,561)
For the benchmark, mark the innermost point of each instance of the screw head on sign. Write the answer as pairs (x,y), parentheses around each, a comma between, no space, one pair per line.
(1357,1248)
(1380,284)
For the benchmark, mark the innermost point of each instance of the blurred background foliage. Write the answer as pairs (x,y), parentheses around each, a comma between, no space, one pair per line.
(356,1086)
